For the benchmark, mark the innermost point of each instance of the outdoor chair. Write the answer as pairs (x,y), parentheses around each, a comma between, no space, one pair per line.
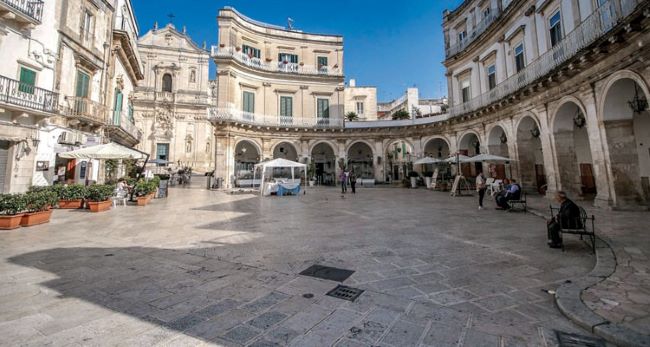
(519,205)
(583,226)
(494,187)
(120,195)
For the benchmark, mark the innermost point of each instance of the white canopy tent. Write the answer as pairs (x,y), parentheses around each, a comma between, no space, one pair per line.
(278,163)
(107,151)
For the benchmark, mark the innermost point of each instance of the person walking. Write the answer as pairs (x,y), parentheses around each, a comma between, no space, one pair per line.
(481,187)
(343,177)
(353,182)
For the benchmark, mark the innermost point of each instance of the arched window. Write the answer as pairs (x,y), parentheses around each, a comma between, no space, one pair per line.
(193,76)
(167,83)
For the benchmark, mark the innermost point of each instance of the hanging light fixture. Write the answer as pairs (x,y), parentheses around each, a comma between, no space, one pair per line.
(535,132)
(579,119)
(638,104)
(503,138)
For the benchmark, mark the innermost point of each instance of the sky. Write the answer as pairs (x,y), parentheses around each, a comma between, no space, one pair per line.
(387,44)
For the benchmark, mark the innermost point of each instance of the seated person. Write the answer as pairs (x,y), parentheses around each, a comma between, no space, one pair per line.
(512,191)
(122,185)
(567,218)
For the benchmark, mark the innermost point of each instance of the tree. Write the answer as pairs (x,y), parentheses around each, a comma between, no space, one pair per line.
(351,116)
(401,114)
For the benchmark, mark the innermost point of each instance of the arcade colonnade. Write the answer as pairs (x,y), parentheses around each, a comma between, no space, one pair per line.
(590,143)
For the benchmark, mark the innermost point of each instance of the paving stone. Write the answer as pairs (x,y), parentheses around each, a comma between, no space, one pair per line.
(479,339)
(443,335)
(267,320)
(496,302)
(403,333)
(241,334)
(451,297)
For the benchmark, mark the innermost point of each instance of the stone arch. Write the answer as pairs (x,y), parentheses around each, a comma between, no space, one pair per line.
(497,144)
(437,147)
(354,142)
(330,143)
(530,156)
(399,156)
(323,156)
(469,144)
(626,138)
(360,157)
(246,154)
(285,150)
(572,148)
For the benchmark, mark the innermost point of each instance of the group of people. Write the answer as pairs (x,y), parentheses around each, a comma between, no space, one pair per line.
(346,177)
(511,191)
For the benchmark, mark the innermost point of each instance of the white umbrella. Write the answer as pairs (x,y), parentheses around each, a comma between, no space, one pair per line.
(107,151)
(488,157)
(427,160)
(460,158)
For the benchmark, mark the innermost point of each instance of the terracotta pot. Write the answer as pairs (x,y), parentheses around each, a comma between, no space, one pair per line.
(10,222)
(70,204)
(35,218)
(99,206)
(142,200)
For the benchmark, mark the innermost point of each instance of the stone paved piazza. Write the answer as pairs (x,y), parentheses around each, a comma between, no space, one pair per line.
(210,268)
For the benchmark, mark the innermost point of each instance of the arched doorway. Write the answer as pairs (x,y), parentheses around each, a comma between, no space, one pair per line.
(627,127)
(285,150)
(360,159)
(531,158)
(324,159)
(497,144)
(167,83)
(470,145)
(438,149)
(573,152)
(400,160)
(246,156)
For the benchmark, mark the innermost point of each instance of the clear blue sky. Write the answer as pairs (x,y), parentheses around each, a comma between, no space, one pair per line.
(388,44)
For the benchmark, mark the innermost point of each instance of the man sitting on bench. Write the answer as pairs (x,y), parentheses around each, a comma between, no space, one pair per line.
(567,218)
(512,192)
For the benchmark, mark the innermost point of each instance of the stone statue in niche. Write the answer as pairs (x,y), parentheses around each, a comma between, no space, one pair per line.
(164,124)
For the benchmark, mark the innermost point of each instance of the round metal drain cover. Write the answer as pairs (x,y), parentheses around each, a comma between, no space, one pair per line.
(308,296)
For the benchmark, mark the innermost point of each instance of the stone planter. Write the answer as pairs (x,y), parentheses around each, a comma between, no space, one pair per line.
(142,200)
(70,204)
(414,182)
(10,222)
(427,181)
(35,218)
(99,206)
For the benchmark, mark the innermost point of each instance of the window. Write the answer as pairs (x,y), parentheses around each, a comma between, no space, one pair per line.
(464,90)
(167,83)
(162,151)
(462,35)
(555,26)
(360,108)
(83,82)
(486,12)
(248,102)
(323,108)
(117,110)
(192,76)
(27,80)
(286,106)
(251,52)
(322,62)
(289,58)
(519,57)
(87,26)
(492,76)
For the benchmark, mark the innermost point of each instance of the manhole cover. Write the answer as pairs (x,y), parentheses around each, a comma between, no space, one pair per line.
(575,340)
(327,273)
(345,293)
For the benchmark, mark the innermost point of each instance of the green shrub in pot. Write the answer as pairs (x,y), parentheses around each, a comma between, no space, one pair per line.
(40,200)
(12,204)
(99,192)
(73,192)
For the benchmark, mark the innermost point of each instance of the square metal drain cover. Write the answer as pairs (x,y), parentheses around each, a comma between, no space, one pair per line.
(345,293)
(327,273)
(575,340)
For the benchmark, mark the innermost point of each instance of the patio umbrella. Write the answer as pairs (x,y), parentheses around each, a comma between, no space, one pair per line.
(427,160)
(488,157)
(159,162)
(107,151)
(460,158)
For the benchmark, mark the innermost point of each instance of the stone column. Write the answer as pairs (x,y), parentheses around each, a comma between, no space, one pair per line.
(547,139)
(222,156)
(380,174)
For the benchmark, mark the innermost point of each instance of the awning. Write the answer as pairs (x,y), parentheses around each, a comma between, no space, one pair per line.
(108,151)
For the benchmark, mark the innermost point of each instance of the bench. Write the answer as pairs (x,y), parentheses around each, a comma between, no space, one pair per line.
(519,205)
(584,226)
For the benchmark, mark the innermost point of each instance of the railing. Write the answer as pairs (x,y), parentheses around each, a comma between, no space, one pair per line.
(396,123)
(257,63)
(27,96)
(595,26)
(232,114)
(119,120)
(31,8)
(84,108)
(123,23)
(485,23)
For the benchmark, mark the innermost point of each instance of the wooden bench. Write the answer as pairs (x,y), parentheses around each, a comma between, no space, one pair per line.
(519,205)
(584,226)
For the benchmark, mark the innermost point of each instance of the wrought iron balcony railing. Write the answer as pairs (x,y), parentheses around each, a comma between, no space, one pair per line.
(281,66)
(599,23)
(27,96)
(480,28)
(80,107)
(30,8)
(229,113)
(119,119)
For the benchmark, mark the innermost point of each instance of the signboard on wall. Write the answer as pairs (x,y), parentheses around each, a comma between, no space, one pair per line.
(42,165)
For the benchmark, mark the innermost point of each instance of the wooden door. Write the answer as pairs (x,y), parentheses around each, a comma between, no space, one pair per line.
(500,171)
(587,179)
(540,177)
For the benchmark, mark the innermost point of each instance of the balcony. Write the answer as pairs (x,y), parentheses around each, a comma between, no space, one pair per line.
(229,113)
(84,109)
(128,35)
(27,11)
(26,96)
(597,25)
(122,129)
(480,28)
(282,67)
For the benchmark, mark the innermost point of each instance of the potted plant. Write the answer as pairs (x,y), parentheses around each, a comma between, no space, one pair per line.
(11,210)
(99,196)
(71,196)
(311,172)
(39,207)
(427,179)
(144,191)
(414,179)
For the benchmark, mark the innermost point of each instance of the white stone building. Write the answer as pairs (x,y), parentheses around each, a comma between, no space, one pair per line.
(362,100)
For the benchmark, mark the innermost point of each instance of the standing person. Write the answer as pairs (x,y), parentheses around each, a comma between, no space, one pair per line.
(343,179)
(481,187)
(353,182)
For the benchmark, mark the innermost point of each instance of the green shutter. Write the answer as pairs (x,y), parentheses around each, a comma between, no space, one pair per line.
(286,106)
(248,102)
(82,84)
(117,110)
(323,108)
(27,80)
